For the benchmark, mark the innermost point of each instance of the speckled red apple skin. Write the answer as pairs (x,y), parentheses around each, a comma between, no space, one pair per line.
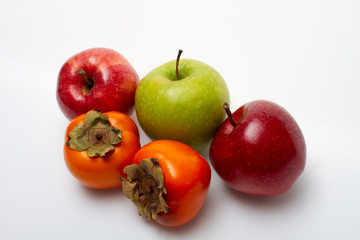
(115,83)
(264,154)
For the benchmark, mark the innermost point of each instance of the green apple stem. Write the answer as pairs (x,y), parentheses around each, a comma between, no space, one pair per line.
(229,114)
(89,82)
(177,63)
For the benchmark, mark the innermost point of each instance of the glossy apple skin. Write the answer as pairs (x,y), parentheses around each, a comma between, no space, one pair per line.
(115,83)
(188,110)
(264,154)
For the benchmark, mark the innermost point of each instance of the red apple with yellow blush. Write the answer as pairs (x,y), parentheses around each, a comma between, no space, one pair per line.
(97,78)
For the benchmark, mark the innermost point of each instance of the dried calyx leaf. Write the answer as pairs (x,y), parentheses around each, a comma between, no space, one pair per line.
(144,185)
(96,135)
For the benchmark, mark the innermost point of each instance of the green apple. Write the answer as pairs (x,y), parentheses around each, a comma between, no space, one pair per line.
(182,100)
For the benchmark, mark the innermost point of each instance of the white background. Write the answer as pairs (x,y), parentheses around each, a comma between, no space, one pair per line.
(303,55)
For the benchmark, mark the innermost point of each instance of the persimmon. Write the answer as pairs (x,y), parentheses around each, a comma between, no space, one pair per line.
(98,146)
(168,182)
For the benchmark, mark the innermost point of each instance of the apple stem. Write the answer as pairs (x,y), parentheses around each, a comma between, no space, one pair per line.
(229,114)
(177,63)
(88,81)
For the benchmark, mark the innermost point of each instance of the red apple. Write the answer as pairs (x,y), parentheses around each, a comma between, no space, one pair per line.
(97,78)
(259,149)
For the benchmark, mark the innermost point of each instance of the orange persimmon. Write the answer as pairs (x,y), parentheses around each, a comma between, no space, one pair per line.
(168,182)
(98,146)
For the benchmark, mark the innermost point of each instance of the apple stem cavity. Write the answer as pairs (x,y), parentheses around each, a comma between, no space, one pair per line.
(177,64)
(229,114)
(89,82)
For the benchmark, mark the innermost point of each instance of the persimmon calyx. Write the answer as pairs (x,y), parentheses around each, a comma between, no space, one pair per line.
(144,186)
(96,135)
